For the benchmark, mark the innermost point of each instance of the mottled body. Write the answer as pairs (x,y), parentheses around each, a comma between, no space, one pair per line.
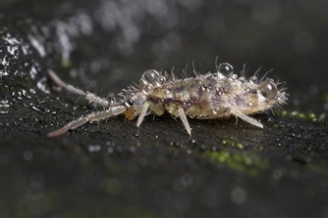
(201,97)
(209,96)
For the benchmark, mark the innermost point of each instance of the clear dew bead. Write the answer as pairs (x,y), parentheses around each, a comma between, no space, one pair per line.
(225,68)
(147,89)
(149,77)
(169,89)
(233,76)
(242,79)
(129,102)
(160,80)
(253,79)
(268,89)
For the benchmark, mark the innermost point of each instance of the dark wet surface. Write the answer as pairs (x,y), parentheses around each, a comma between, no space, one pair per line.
(113,169)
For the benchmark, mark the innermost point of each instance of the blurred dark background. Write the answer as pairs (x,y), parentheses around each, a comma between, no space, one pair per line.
(113,169)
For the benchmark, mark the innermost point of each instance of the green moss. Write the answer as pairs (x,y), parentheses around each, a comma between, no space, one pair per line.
(318,169)
(134,211)
(232,143)
(115,168)
(306,116)
(325,97)
(295,174)
(249,163)
(66,63)
(112,186)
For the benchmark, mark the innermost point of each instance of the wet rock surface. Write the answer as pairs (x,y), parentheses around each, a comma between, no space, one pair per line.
(112,168)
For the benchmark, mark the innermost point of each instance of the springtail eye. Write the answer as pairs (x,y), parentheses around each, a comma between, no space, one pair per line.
(268,89)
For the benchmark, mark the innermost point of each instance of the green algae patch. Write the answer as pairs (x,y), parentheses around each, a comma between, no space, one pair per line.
(305,116)
(249,163)
(318,170)
(232,143)
(66,63)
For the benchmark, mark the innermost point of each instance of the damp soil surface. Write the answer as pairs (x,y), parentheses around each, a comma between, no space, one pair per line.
(227,168)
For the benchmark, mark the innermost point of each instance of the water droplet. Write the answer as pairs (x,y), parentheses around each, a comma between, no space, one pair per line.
(225,68)
(149,77)
(207,87)
(94,148)
(233,76)
(268,89)
(129,102)
(41,84)
(169,89)
(238,195)
(242,79)
(110,150)
(220,90)
(160,80)
(253,79)
(133,149)
(28,155)
(13,50)
(147,89)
